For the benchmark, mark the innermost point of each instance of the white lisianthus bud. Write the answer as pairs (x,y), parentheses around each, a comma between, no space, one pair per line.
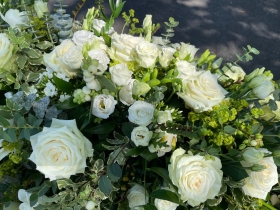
(164,116)
(147,26)
(253,155)
(262,91)
(40,7)
(255,73)
(140,88)
(141,136)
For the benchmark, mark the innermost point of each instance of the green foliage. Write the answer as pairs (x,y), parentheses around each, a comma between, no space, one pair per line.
(169,29)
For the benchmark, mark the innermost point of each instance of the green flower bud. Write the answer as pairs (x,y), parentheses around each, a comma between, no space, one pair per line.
(154,82)
(257,167)
(262,91)
(217,63)
(140,88)
(254,74)
(252,155)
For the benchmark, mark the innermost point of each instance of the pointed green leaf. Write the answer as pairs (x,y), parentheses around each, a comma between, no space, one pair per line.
(62,85)
(107,83)
(165,195)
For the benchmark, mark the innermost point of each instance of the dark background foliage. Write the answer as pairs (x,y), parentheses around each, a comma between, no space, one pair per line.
(223,26)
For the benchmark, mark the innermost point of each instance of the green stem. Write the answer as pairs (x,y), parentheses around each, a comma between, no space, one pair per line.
(145,170)
(267,205)
(171,95)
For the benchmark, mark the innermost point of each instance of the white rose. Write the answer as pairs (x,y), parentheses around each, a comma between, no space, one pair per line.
(197,179)
(253,155)
(141,136)
(120,74)
(122,46)
(166,56)
(99,24)
(6,49)
(12,206)
(103,60)
(186,70)
(60,150)
(141,113)
(259,184)
(73,57)
(40,7)
(164,204)
(103,105)
(202,92)
(164,116)
(125,94)
(53,60)
(147,54)
(137,196)
(187,50)
(235,73)
(82,36)
(61,49)
(14,18)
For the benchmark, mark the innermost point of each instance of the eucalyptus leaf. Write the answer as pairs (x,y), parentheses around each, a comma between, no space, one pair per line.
(229,129)
(114,172)
(33,199)
(105,185)
(257,128)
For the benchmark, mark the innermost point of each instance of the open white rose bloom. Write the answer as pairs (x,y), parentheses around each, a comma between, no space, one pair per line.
(125,118)
(61,150)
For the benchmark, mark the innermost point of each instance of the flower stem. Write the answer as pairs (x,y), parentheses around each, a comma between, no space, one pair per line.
(267,205)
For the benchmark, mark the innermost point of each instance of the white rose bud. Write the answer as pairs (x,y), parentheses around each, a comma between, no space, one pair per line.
(40,7)
(186,70)
(202,92)
(103,106)
(166,56)
(147,54)
(14,18)
(125,94)
(137,196)
(103,60)
(164,116)
(60,150)
(82,36)
(164,204)
(187,50)
(120,74)
(259,184)
(73,57)
(235,73)
(147,26)
(197,179)
(141,113)
(141,136)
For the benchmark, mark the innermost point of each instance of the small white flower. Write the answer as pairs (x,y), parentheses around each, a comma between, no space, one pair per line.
(24,196)
(62,76)
(63,97)
(141,136)
(50,89)
(103,105)
(103,60)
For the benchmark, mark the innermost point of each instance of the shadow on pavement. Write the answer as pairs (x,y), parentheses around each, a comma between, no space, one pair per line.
(222,26)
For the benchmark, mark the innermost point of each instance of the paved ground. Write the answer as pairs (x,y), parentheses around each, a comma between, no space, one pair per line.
(223,26)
